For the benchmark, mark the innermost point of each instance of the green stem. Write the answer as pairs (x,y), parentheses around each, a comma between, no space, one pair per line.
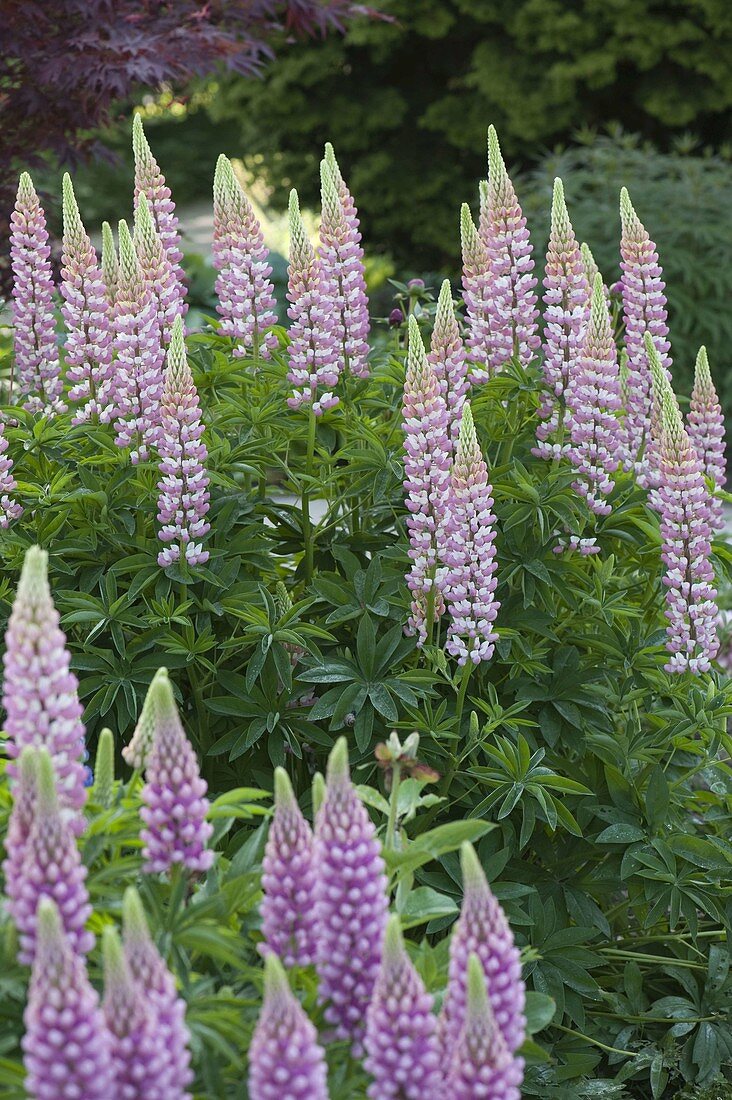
(462,692)
(597,1043)
(307,529)
(391,824)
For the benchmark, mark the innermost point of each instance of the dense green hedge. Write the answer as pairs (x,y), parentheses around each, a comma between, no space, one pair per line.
(407,103)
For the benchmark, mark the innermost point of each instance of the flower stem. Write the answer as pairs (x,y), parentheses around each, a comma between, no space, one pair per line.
(391,825)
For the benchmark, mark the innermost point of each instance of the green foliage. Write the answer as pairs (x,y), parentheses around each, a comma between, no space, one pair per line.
(595,784)
(407,102)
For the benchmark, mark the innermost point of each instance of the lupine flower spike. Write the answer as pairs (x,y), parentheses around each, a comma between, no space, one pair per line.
(685,520)
(103,790)
(403,1054)
(139,1057)
(346,199)
(705,425)
(591,270)
(285,1058)
(174,814)
(511,263)
(40,693)
(427,451)
(66,1046)
(138,379)
(184,498)
(567,312)
(314,352)
(644,310)
(51,867)
(341,259)
(37,366)
(351,907)
(136,751)
(288,881)
(150,181)
(167,1009)
(479,297)
(469,552)
(110,263)
(482,929)
(660,389)
(246,301)
(20,823)
(157,270)
(86,315)
(482,1064)
(9,509)
(448,360)
(593,403)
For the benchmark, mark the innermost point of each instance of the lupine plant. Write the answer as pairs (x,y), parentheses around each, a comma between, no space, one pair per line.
(439,636)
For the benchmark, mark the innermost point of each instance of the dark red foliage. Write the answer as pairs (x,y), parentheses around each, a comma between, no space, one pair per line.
(63,63)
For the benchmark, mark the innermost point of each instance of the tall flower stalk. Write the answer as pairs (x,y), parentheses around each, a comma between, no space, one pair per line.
(66,1046)
(174,815)
(511,263)
(593,403)
(705,427)
(289,881)
(351,901)
(566,315)
(644,310)
(482,929)
(37,366)
(469,552)
(246,301)
(285,1058)
(479,297)
(139,1057)
(158,272)
(481,1063)
(166,1008)
(138,370)
(314,351)
(109,264)
(183,502)
(341,259)
(51,865)
(150,181)
(427,453)
(402,1049)
(448,360)
(87,317)
(40,692)
(686,526)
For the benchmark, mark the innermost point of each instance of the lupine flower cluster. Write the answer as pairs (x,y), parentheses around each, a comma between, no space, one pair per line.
(686,527)
(593,401)
(246,301)
(10,509)
(506,237)
(314,339)
(644,310)
(37,366)
(150,182)
(87,317)
(158,272)
(448,360)
(373,995)
(469,552)
(479,298)
(341,259)
(567,312)
(705,427)
(40,693)
(184,498)
(174,814)
(427,453)
(138,370)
